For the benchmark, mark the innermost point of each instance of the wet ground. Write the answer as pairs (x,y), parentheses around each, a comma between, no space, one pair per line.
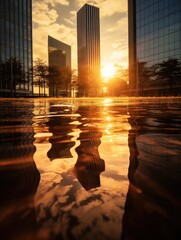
(90,169)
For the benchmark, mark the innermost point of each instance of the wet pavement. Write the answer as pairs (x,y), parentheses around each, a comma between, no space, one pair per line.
(90,169)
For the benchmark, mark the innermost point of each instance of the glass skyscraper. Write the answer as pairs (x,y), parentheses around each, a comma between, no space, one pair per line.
(15,48)
(88,41)
(59,57)
(154,47)
(59,53)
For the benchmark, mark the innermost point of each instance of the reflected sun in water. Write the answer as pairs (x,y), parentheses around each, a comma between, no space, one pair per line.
(79,169)
(90,172)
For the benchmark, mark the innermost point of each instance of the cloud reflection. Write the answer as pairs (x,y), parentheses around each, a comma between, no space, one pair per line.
(153,199)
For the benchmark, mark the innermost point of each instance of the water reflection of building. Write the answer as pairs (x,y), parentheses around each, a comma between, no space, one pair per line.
(153,206)
(154,37)
(88,40)
(60,128)
(19,177)
(89,165)
(15,48)
(59,57)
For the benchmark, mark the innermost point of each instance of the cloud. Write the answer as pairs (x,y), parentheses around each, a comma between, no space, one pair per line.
(119,53)
(42,15)
(46,14)
(120,25)
(44,11)
(54,2)
(69,21)
(110,7)
(41,18)
(107,7)
(114,39)
(58,31)
(57,18)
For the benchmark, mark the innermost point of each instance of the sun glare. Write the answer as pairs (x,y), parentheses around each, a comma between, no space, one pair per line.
(107,72)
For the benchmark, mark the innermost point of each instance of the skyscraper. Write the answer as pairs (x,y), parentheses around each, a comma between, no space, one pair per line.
(59,57)
(154,47)
(88,34)
(15,48)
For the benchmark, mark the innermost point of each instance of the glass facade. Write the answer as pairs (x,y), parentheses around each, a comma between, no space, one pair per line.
(59,57)
(157,41)
(158,30)
(15,48)
(59,53)
(88,40)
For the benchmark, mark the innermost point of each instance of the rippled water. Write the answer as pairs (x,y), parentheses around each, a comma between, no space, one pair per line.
(90,168)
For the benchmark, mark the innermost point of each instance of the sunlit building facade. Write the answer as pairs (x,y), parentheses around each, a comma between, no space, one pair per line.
(88,41)
(15,48)
(59,56)
(154,43)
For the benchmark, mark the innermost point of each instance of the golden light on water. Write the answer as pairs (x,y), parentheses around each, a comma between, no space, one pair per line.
(104,153)
(107,101)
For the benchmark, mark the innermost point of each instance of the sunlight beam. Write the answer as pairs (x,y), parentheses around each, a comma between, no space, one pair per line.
(107,72)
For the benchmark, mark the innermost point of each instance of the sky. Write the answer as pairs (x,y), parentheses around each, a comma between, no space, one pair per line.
(57,18)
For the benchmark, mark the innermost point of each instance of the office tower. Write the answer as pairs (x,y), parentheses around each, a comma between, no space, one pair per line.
(15,48)
(88,41)
(59,58)
(154,47)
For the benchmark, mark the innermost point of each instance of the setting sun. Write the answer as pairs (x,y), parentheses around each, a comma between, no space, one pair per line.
(107,71)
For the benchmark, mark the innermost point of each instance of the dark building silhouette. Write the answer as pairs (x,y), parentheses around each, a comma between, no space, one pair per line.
(153,206)
(59,56)
(154,39)
(15,48)
(89,165)
(19,176)
(60,127)
(88,45)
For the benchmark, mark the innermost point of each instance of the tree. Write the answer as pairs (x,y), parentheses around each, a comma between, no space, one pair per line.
(59,80)
(40,74)
(118,84)
(65,75)
(12,72)
(144,74)
(53,79)
(170,71)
